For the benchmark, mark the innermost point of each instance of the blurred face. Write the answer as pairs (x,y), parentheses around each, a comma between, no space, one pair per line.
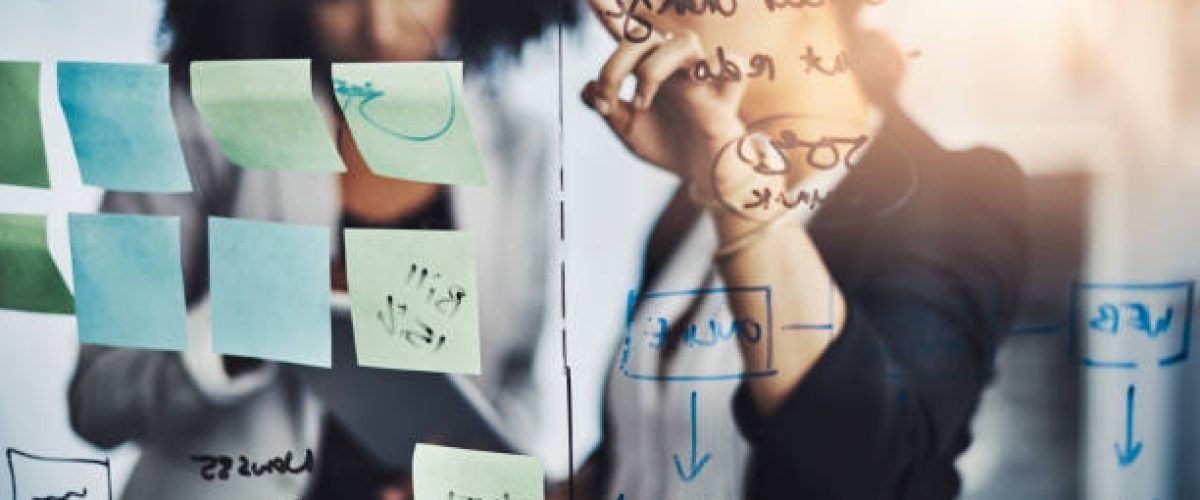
(383,30)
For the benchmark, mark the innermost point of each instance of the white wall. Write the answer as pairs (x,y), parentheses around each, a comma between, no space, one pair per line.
(38,351)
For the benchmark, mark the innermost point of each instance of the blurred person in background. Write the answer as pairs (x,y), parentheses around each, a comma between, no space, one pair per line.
(175,405)
(870,388)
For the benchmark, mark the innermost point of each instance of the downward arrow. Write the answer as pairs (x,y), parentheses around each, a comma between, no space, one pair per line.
(694,467)
(1126,456)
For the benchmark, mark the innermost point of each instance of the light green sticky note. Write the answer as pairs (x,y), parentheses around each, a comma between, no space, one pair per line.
(444,473)
(29,279)
(262,114)
(22,152)
(409,120)
(413,298)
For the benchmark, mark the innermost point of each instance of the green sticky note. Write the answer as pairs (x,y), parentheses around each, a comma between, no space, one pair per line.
(413,298)
(262,114)
(444,473)
(29,279)
(22,152)
(409,120)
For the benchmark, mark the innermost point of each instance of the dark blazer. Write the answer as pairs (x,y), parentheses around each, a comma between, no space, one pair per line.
(928,248)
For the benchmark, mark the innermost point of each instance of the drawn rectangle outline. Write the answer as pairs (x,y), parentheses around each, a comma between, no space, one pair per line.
(626,342)
(1073,321)
(12,474)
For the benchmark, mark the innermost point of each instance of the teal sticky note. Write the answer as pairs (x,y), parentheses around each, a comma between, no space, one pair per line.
(29,279)
(119,116)
(262,114)
(413,299)
(409,120)
(128,281)
(22,151)
(442,472)
(270,290)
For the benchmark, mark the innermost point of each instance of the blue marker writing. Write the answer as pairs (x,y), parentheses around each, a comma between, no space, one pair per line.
(694,336)
(1129,454)
(367,93)
(1138,318)
(694,466)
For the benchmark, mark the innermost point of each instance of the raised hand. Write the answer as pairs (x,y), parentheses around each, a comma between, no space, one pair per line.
(674,120)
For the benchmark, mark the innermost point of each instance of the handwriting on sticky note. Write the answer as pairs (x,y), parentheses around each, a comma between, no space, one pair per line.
(22,151)
(425,290)
(413,299)
(128,281)
(409,120)
(358,99)
(121,126)
(441,472)
(262,114)
(29,279)
(270,291)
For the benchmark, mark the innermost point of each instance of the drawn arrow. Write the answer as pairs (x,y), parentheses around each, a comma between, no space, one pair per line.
(1126,456)
(694,467)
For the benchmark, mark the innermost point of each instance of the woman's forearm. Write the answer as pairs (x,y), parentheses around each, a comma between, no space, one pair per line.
(786,260)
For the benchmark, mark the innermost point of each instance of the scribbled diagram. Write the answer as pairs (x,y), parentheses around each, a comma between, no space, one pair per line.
(647,334)
(1108,319)
(1128,336)
(40,477)
(409,120)
(365,93)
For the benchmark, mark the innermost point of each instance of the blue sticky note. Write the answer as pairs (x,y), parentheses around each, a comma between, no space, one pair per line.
(270,290)
(128,281)
(119,116)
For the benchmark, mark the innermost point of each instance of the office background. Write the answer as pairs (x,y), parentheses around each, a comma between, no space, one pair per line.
(1098,101)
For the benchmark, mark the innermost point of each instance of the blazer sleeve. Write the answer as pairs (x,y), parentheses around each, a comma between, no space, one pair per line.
(895,392)
(118,394)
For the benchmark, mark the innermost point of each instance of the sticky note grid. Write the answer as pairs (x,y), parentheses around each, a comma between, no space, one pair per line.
(414,293)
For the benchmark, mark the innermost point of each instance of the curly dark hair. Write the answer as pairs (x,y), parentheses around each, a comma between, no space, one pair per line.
(282,29)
